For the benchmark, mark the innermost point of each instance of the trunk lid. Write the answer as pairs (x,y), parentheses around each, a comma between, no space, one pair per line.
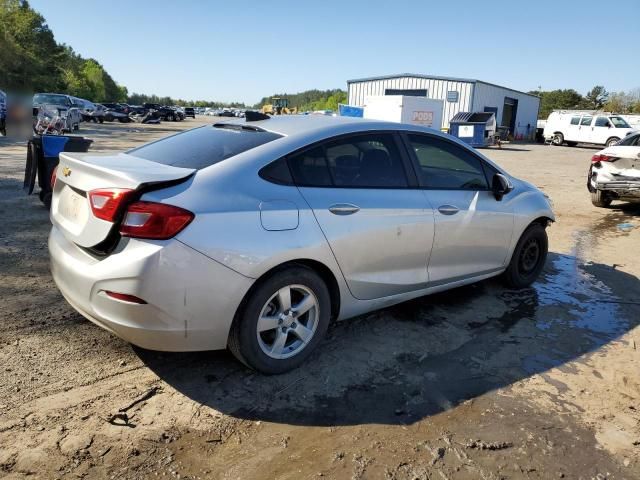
(78,174)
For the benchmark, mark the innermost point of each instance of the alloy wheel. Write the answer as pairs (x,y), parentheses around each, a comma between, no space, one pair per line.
(288,321)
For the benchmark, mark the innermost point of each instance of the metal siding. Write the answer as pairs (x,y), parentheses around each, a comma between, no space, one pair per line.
(527,113)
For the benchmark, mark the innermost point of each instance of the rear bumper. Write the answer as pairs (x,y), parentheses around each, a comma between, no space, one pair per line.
(191,299)
(623,188)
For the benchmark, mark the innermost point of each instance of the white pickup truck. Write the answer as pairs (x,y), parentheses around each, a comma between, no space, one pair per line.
(573,127)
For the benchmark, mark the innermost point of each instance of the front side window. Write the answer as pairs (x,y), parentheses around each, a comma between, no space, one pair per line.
(358,161)
(602,122)
(586,121)
(619,122)
(444,165)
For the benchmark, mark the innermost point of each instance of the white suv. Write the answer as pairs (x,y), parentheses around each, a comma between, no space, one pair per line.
(575,127)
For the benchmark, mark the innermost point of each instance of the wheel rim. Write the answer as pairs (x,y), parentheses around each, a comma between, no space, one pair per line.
(288,321)
(529,256)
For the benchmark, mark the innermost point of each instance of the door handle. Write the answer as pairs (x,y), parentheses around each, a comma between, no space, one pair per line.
(448,209)
(343,209)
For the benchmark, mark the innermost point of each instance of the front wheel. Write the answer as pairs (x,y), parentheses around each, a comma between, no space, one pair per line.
(528,257)
(612,141)
(600,199)
(282,321)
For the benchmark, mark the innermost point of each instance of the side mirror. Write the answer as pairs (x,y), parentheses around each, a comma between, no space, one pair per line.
(500,186)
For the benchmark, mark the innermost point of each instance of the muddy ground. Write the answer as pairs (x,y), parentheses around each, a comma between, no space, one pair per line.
(478,382)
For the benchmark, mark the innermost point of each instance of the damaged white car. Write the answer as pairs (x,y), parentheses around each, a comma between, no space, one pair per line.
(615,172)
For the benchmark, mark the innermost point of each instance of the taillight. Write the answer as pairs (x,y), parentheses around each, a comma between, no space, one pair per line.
(598,157)
(53,177)
(154,220)
(107,203)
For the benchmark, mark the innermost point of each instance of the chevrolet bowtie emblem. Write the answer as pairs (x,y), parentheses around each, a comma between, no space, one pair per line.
(66,171)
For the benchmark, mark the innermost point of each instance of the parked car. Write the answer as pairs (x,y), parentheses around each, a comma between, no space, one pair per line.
(117,107)
(615,173)
(575,127)
(255,234)
(90,112)
(189,112)
(67,110)
(169,114)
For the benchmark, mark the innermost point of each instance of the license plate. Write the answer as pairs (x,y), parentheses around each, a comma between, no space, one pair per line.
(72,206)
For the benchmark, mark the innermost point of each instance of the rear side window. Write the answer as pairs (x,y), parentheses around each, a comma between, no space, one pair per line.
(358,161)
(202,147)
(444,165)
(586,121)
(575,120)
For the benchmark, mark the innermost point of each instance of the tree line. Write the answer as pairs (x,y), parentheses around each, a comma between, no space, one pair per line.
(598,98)
(32,60)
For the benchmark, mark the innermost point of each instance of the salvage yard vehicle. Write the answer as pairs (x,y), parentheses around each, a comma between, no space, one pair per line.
(189,112)
(3,113)
(67,110)
(615,173)
(254,234)
(585,126)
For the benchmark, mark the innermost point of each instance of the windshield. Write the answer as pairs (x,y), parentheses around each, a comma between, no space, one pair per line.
(202,147)
(619,122)
(51,99)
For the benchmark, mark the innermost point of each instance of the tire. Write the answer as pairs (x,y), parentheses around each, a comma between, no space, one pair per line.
(612,141)
(528,257)
(280,349)
(170,118)
(600,199)
(558,139)
(572,144)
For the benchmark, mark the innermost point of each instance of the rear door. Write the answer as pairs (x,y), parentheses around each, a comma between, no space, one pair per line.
(378,225)
(472,229)
(584,130)
(573,129)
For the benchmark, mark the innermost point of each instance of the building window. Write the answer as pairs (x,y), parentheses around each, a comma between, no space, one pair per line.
(408,93)
(452,96)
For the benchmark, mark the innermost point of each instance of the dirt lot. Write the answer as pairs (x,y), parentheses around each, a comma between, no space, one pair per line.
(479,382)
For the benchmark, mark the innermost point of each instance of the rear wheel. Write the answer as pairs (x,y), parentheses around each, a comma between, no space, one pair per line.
(528,257)
(600,198)
(282,321)
(612,141)
(558,139)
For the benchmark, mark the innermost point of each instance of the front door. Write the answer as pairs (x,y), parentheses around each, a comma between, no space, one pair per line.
(379,229)
(601,130)
(472,229)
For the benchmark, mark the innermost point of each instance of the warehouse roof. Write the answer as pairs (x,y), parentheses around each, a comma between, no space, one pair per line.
(435,77)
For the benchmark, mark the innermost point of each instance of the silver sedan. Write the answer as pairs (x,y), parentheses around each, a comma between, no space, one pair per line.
(254,234)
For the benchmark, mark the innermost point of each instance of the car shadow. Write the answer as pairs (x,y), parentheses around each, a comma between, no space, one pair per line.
(419,358)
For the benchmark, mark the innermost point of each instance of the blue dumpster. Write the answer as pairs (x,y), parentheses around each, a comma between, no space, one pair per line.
(478,129)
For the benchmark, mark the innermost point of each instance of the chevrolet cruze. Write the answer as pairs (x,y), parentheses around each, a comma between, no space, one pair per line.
(254,234)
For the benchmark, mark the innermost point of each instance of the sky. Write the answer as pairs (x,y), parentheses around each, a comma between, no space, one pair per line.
(245,50)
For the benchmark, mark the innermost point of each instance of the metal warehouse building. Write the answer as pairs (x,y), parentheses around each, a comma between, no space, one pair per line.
(515,110)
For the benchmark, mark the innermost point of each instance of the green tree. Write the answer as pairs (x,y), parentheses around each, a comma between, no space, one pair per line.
(557,100)
(596,98)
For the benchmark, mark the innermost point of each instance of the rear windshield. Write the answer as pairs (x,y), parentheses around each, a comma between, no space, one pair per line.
(202,147)
(51,99)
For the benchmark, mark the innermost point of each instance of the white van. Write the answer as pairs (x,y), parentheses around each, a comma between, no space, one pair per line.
(594,127)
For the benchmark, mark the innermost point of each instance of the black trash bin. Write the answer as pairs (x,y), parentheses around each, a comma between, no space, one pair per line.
(43,156)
